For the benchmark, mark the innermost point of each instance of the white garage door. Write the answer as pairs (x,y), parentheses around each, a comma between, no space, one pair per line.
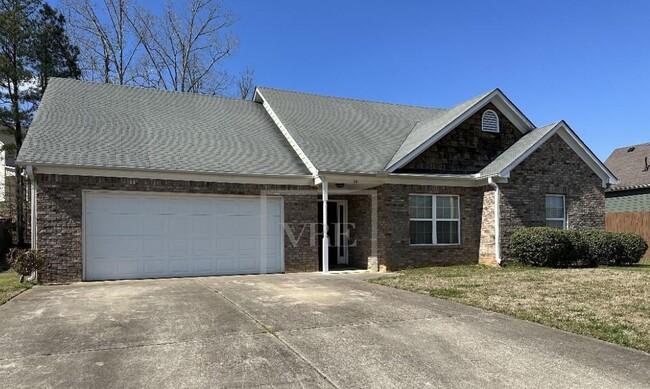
(149,236)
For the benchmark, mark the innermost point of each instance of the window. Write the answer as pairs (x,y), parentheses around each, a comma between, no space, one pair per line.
(555,211)
(434,219)
(490,121)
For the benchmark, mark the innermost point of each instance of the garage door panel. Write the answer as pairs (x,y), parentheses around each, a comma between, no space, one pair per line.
(155,267)
(225,265)
(102,269)
(151,235)
(178,225)
(204,265)
(205,246)
(204,225)
(153,225)
(178,247)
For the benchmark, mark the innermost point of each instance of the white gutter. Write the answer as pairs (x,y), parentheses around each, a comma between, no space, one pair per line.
(497,220)
(326,239)
(29,170)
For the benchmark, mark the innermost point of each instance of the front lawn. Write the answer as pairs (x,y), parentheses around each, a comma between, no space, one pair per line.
(9,285)
(608,303)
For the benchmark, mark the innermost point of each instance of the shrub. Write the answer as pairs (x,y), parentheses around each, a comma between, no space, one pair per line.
(24,262)
(577,252)
(542,246)
(633,248)
(602,246)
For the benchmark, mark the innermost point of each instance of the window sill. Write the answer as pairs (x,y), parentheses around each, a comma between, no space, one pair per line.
(429,246)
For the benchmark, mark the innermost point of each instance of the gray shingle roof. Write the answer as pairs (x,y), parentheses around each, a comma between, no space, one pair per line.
(428,128)
(347,135)
(628,165)
(99,125)
(516,150)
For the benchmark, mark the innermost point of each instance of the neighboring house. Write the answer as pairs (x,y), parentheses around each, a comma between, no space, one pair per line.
(7,168)
(139,183)
(628,202)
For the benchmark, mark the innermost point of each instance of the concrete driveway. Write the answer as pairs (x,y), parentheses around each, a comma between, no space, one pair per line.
(311,331)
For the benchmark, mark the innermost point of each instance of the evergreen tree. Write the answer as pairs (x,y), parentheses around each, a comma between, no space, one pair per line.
(33,47)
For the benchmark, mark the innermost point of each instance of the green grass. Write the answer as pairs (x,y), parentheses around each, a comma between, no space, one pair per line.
(611,303)
(9,285)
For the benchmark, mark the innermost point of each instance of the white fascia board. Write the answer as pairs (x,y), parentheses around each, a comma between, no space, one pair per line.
(570,137)
(296,147)
(577,145)
(175,176)
(465,180)
(497,98)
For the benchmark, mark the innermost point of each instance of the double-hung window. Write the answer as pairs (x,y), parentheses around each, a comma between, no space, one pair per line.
(555,211)
(434,219)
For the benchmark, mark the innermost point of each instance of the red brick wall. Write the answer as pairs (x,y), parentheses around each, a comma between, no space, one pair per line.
(395,251)
(554,168)
(59,217)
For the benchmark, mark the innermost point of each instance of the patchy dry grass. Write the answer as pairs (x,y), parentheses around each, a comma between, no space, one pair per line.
(9,285)
(608,303)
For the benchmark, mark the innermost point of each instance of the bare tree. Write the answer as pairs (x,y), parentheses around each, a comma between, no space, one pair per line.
(246,83)
(184,48)
(108,44)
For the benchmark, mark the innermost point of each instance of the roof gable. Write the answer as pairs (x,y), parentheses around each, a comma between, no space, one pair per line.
(517,153)
(467,148)
(427,132)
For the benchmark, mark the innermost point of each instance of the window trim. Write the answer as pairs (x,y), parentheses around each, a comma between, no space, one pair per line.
(498,130)
(564,220)
(433,220)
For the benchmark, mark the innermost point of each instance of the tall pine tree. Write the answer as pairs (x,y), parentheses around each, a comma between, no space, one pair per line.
(33,47)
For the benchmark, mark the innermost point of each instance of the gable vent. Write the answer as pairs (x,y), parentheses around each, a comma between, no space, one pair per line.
(490,121)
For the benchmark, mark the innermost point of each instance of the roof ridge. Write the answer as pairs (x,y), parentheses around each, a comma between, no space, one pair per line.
(351,98)
(144,88)
(634,145)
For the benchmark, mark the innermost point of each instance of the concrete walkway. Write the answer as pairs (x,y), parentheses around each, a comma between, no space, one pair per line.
(303,331)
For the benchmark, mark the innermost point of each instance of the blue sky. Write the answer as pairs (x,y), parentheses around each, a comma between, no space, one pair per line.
(586,62)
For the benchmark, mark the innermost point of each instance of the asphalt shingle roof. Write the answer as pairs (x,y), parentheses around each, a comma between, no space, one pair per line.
(99,125)
(516,150)
(347,135)
(428,128)
(628,165)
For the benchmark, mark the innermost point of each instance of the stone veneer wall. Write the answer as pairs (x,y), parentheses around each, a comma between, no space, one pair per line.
(60,205)
(486,251)
(395,251)
(554,168)
(467,148)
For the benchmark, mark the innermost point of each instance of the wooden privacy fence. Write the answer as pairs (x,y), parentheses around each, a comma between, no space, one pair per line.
(636,222)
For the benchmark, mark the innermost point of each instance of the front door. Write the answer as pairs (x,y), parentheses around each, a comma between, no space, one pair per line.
(337,216)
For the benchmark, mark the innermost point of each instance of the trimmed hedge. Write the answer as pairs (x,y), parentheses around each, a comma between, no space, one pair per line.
(544,246)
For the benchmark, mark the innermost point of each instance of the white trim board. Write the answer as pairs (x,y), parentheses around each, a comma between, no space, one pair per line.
(276,119)
(176,176)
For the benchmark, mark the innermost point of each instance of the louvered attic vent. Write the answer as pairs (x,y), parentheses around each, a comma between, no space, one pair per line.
(490,121)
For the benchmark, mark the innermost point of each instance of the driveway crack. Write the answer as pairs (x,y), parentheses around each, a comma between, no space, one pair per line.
(272,332)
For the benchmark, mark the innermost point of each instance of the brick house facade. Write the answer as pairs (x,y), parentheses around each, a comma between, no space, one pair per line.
(474,186)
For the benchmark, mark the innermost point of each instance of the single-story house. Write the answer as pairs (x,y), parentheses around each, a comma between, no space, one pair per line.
(627,203)
(141,183)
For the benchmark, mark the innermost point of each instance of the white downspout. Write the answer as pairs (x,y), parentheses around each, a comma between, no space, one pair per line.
(497,220)
(326,239)
(32,176)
